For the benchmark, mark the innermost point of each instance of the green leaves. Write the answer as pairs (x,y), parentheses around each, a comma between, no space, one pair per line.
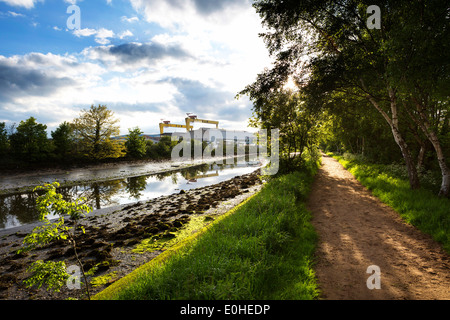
(50,273)
(44,235)
(53,203)
(136,144)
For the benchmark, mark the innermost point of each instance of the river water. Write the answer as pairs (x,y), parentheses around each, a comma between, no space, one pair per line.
(20,209)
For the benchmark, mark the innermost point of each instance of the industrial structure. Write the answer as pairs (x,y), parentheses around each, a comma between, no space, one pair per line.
(207,134)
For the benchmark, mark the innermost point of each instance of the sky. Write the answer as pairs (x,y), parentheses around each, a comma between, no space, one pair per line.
(146,60)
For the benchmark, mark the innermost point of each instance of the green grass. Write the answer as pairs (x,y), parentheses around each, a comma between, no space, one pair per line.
(421,208)
(262,250)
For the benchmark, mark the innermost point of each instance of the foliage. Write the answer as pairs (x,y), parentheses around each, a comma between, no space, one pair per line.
(51,274)
(30,141)
(135,144)
(4,144)
(299,125)
(52,203)
(63,140)
(94,130)
(337,61)
(162,149)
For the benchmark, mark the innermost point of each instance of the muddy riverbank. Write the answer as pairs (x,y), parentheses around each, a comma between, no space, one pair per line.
(113,236)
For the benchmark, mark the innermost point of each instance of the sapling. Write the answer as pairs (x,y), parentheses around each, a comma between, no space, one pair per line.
(54,274)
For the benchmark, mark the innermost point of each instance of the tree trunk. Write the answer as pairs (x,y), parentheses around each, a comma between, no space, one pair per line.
(410,165)
(421,156)
(445,185)
(424,124)
(393,123)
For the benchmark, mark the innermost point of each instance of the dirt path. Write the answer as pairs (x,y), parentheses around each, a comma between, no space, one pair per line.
(356,231)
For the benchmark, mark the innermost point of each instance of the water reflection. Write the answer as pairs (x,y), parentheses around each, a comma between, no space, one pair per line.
(19,209)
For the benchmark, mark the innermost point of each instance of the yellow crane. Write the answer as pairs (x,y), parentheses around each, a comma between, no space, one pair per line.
(167,124)
(193,118)
(190,118)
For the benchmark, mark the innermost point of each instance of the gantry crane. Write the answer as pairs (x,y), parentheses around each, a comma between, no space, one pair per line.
(189,119)
(167,124)
(193,118)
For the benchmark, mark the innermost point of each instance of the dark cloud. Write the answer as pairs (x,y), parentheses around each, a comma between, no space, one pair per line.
(15,80)
(207,7)
(196,96)
(134,52)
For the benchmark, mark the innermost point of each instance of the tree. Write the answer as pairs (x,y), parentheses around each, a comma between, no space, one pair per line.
(63,139)
(286,110)
(162,149)
(327,47)
(94,130)
(3,139)
(136,144)
(30,141)
(50,273)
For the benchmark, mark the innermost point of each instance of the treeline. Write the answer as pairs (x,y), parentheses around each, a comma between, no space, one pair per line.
(383,93)
(88,138)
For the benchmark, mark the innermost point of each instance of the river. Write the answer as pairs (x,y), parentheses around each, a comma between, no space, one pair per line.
(19,209)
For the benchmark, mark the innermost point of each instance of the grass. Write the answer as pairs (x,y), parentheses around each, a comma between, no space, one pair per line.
(421,208)
(263,249)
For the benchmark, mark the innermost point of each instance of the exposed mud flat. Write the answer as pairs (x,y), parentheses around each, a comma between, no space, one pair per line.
(113,233)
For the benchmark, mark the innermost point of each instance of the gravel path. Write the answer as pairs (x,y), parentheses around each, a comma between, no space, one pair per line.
(356,231)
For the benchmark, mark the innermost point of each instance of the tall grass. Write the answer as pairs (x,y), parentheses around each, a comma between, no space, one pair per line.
(421,208)
(264,250)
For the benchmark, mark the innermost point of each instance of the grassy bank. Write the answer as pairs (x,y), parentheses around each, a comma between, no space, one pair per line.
(261,250)
(421,208)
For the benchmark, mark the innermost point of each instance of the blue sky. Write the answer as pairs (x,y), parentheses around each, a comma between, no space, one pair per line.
(146,60)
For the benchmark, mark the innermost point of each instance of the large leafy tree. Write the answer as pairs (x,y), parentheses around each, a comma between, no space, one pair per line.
(30,141)
(327,47)
(287,111)
(94,130)
(136,144)
(63,139)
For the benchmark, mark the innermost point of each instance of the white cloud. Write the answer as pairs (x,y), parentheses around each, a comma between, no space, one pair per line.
(15,14)
(125,34)
(205,56)
(223,34)
(86,32)
(21,3)
(130,20)
(72,1)
(101,36)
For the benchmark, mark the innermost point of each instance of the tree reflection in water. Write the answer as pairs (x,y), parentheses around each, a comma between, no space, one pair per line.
(19,209)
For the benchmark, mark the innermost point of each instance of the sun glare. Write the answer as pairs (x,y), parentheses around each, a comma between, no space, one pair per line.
(290,85)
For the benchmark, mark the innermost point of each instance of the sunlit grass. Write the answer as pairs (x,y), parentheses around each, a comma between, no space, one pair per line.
(264,250)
